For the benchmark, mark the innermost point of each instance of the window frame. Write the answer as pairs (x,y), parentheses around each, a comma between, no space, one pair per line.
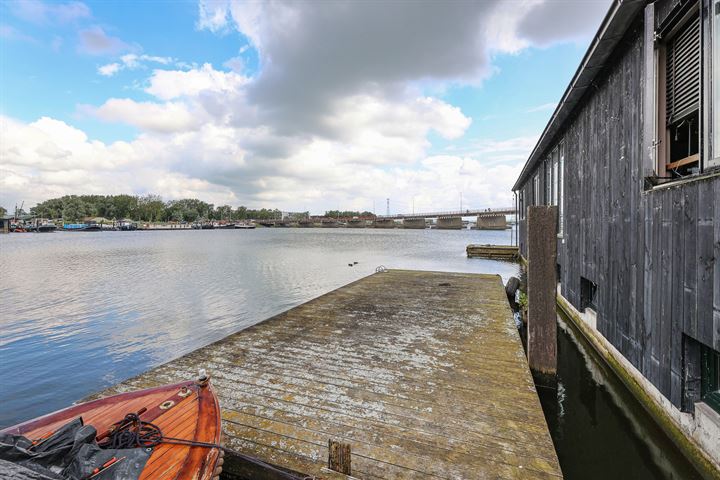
(664,37)
(561,189)
(713,86)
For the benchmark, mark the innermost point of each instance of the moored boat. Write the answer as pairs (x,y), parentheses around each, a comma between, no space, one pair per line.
(245,226)
(171,431)
(46,227)
(82,227)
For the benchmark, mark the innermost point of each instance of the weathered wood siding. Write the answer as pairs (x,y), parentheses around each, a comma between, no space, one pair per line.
(651,253)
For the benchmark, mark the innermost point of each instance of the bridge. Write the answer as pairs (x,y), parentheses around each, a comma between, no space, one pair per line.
(484,212)
(487,219)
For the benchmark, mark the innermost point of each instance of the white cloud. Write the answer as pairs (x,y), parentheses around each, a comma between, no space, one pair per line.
(169,84)
(545,107)
(94,41)
(236,64)
(39,12)
(9,32)
(132,61)
(212,15)
(335,117)
(110,69)
(157,117)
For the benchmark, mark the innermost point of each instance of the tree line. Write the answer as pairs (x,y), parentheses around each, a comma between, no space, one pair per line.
(347,214)
(148,208)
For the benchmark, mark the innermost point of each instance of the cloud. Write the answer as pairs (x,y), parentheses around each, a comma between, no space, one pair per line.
(132,61)
(38,12)
(556,21)
(9,32)
(236,64)
(338,114)
(169,84)
(545,107)
(110,69)
(94,41)
(156,117)
(213,15)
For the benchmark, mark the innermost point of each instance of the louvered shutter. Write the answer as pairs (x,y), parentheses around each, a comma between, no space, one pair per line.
(683,72)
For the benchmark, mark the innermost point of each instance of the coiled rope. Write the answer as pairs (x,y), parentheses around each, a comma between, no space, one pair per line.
(131,432)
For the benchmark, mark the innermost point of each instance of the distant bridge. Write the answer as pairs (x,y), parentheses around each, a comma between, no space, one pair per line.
(484,212)
(487,219)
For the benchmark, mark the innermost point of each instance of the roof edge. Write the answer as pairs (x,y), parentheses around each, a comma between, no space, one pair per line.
(618,18)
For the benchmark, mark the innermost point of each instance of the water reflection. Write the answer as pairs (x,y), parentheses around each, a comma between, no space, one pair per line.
(81,311)
(598,428)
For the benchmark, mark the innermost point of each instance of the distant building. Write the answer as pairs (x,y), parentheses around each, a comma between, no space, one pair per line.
(631,157)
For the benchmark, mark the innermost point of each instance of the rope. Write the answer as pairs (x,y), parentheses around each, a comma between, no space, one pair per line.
(131,432)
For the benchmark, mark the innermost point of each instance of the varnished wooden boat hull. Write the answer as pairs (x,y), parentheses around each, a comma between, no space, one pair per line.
(194,415)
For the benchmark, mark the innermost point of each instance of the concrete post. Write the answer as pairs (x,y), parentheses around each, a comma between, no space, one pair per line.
(418,223)
(491,222)
(541,285)
(449,223)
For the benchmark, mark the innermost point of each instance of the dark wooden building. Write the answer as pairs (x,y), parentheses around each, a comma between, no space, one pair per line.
(631,157)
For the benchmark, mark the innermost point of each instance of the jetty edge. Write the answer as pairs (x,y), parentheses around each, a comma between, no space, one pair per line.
(408,374)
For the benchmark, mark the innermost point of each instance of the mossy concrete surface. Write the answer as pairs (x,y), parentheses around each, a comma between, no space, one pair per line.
(422,373)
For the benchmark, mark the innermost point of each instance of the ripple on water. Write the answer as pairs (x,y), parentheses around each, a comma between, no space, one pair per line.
(81,311)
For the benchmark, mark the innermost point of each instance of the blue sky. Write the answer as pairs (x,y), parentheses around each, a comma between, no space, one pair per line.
(293,105)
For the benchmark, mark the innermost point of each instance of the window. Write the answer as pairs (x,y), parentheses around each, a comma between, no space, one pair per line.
(555,177)
(701,375)
(561,189)
(679,85)
(710,377)
(715,73)
(588,292)
(521,203)
(548,182)
(536,189)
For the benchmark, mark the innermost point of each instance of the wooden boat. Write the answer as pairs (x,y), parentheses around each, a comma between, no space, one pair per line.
(187,411)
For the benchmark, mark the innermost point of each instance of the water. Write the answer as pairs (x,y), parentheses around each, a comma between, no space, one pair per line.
(83,311)
(599,430)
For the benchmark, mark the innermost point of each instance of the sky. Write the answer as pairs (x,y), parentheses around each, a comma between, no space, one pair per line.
(296,105)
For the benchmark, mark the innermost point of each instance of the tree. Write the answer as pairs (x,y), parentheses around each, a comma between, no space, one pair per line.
(151,208)
(74,209)
(223,212)
(3,212)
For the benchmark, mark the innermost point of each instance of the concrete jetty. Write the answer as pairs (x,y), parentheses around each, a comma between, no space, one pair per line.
(417,374)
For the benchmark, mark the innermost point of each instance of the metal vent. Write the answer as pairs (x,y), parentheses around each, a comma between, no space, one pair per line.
(683,72)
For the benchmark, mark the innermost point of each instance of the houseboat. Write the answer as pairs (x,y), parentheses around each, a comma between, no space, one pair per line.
(631,159)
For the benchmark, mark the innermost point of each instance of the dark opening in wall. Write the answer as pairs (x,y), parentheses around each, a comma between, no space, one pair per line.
(588,292)
(701,375)
(558,271)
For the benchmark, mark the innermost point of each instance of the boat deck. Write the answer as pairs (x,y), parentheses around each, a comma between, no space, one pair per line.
(421,373)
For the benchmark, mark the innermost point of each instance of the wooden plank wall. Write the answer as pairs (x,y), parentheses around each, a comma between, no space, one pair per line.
(652,253)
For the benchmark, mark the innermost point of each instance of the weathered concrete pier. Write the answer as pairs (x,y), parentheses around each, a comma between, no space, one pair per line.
(418,374)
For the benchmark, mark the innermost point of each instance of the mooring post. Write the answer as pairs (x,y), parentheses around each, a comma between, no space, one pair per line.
(541,286)
(339,457)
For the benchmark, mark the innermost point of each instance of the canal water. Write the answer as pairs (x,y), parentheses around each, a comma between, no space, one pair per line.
(82,311)
(599,430)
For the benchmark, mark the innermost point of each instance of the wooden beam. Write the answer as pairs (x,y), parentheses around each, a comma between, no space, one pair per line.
(685,161)
(339,457)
